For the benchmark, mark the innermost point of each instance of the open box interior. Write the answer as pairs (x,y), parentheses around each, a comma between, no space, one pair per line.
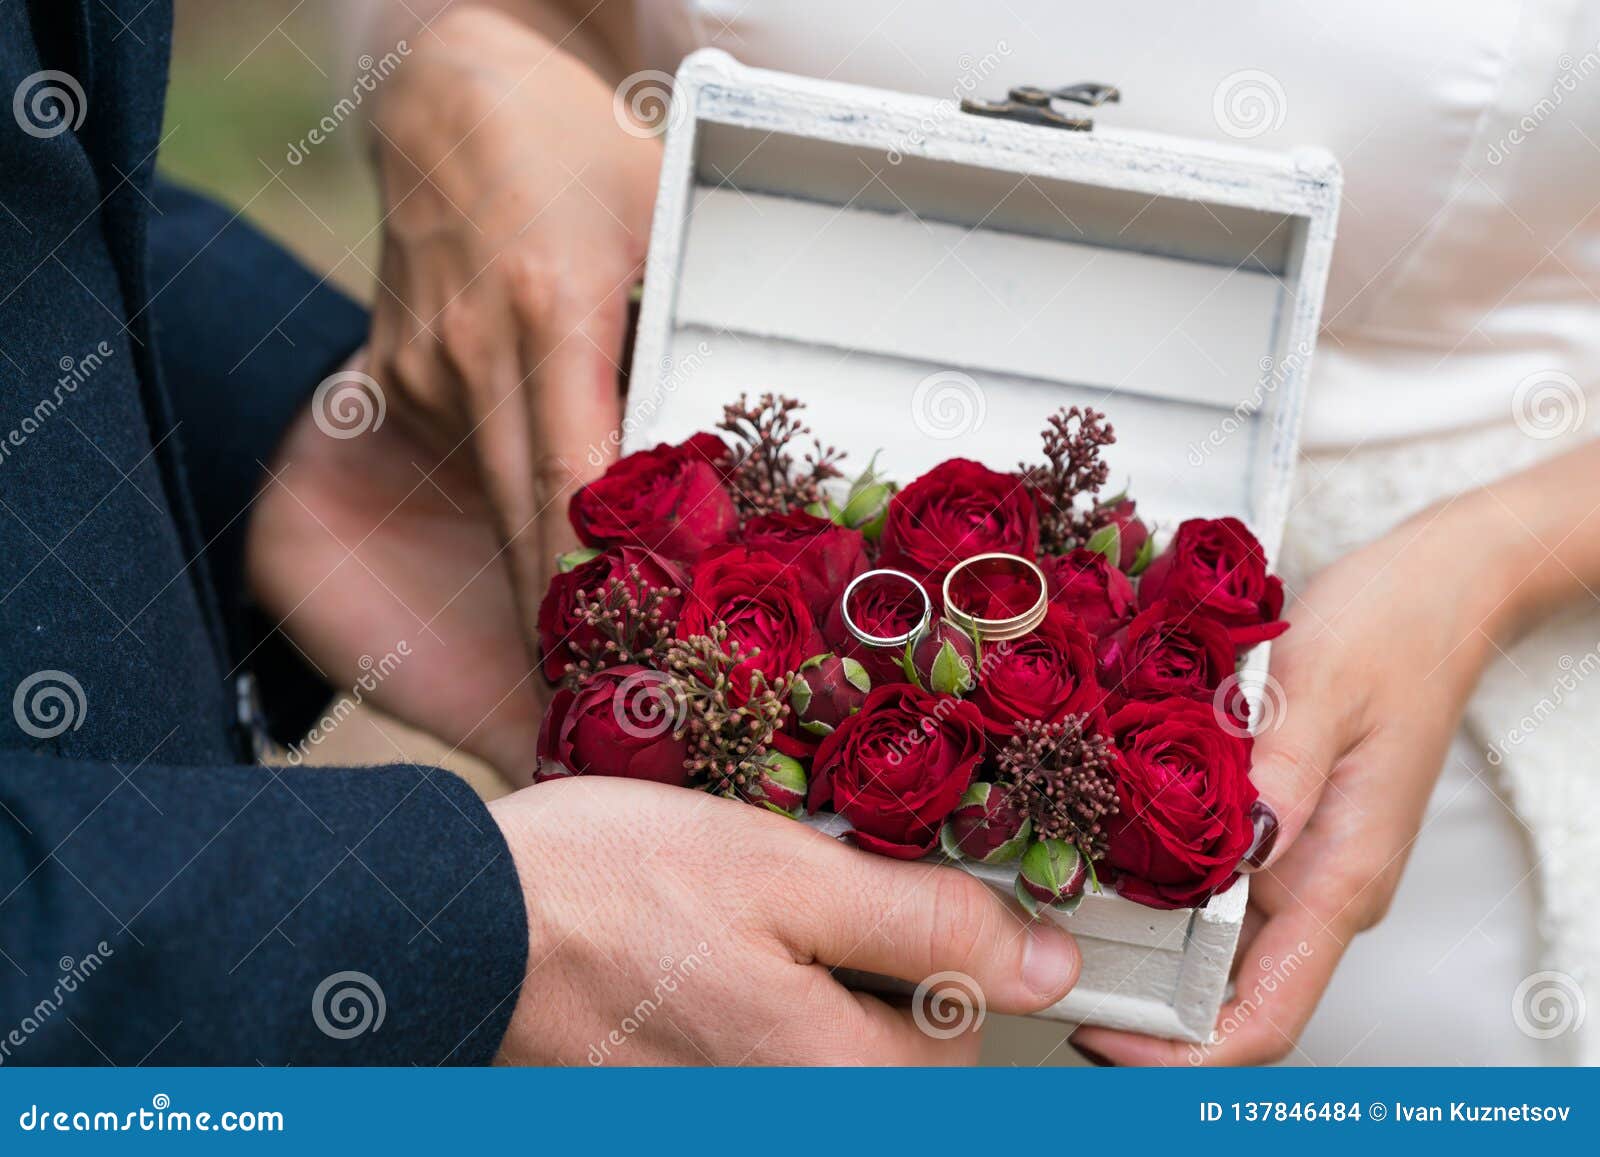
(933,309)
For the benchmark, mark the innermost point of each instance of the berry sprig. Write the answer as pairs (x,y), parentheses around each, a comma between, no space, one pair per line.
(1065,773)
(729,734)
(764,476)
(1072,441)
(626,613)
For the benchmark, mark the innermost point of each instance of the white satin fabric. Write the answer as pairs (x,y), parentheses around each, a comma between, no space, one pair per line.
(1467,264)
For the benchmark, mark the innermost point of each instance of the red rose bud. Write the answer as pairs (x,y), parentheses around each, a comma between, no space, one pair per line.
(669,500)
(624,721)
(830,689)
(1053,874)
(564,635)
(1134,546)
(1088,585)
(781,787)
(1216,568)
(958,509)
(944,659)
(988,825)
(824,557)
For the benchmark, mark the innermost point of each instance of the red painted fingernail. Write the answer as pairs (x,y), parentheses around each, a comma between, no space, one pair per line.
(1093,1057)
(1265,822)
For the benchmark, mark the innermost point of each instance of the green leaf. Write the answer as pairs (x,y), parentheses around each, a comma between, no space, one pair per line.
(856,675)
(947,842)
(909,666)
(1029,904)
(1013,848)
(816,727)
(800,696)
(950,675)
(573,559)
(1107,541)
(772,807)
(1146,555)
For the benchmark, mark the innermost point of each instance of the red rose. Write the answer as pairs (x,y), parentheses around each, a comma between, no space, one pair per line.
(563,635)
(824,555)
(759,599)
(1088,585)
(669,500)
(1216,568)
(1045,675)
(886,608)
(1184,792)
(620,722)
(1163,653)
(898,767)
(958,509)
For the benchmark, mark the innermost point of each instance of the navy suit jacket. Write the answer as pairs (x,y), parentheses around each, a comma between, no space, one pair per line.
(162,898)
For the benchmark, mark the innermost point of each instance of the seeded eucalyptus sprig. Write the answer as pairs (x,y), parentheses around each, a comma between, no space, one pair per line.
(1065,775)
(729,730)
(765,478)
(627,615)
(1073,470)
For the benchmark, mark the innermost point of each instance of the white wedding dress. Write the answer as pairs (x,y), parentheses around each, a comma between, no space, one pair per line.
(1463,297)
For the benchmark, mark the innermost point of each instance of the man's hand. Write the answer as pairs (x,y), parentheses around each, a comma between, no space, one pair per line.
(671,927)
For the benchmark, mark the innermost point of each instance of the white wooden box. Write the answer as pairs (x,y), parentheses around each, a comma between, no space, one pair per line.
(934,284)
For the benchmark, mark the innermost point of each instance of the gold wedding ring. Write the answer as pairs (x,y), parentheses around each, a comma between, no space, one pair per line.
(996,630)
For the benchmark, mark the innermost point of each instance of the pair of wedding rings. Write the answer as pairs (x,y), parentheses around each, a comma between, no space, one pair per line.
(981,628)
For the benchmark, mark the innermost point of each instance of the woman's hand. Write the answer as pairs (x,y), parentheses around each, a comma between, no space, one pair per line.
(1372,680)
(516,219)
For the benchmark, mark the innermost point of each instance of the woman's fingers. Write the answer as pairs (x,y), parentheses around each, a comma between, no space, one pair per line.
(1295,754)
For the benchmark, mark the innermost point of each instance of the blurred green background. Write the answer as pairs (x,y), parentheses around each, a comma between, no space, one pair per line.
(249,79)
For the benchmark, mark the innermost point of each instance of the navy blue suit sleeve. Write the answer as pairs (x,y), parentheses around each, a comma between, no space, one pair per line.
(244,333)
(235,915)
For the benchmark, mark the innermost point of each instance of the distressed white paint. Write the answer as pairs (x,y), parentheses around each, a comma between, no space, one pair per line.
(841,244)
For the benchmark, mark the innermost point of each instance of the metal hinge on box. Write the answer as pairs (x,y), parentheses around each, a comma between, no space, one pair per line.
(1033,105)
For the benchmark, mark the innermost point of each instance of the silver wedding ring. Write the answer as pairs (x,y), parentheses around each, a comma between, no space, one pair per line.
(870,639)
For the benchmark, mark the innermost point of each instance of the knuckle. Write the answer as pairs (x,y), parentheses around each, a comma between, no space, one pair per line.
(539,285)
(960,911)
(467,339)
